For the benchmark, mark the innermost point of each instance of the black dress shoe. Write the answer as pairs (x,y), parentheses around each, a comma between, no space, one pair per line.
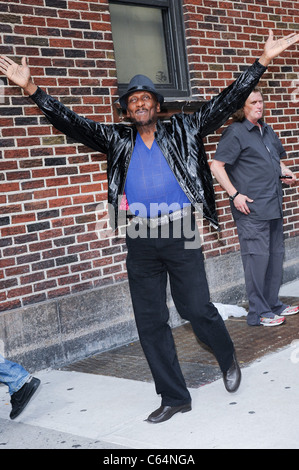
(232,378)
(20,399)
(166,412)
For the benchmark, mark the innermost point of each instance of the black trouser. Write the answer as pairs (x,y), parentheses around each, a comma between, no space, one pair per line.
(149,261)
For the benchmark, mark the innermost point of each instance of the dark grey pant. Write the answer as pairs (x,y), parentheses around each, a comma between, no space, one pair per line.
(262,251)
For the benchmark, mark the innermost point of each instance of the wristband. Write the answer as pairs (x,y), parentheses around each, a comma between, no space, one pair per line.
(231,198)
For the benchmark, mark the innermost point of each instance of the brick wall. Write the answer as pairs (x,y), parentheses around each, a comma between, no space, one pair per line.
(51,186)
(223,38)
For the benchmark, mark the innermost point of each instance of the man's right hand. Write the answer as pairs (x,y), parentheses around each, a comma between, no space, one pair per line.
(240,203)
(18,74)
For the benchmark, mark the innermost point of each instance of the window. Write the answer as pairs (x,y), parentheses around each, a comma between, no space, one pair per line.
(149,39)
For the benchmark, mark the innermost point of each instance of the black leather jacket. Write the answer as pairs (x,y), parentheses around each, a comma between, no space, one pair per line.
(181,140)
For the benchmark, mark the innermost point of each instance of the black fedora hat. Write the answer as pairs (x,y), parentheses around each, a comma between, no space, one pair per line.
(140,83)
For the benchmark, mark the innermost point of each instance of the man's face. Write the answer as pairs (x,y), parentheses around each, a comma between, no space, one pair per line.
(254,107)
(143,108)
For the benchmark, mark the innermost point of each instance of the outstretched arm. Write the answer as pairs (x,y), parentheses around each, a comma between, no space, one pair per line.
(215,112)
(90,133)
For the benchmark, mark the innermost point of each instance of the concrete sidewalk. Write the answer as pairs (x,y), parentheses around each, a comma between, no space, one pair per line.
(88,411)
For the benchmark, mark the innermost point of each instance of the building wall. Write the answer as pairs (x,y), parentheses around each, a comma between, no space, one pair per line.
(53,254)
(223,38)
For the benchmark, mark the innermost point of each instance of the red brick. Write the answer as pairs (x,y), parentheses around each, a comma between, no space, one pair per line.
(19,292)
(7,187)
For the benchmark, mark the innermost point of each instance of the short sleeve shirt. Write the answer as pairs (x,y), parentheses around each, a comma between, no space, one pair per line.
(252,157)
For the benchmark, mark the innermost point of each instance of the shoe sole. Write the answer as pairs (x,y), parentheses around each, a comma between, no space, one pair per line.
(273,324)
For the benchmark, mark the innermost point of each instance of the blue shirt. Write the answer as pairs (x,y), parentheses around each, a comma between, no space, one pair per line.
(151,187)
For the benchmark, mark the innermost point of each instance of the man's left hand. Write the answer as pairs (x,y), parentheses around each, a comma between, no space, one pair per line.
(290,181)
(274,47)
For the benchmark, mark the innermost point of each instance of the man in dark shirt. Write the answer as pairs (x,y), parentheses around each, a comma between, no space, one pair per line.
(248,165)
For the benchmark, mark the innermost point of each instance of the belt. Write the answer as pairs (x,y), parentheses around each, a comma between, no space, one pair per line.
(163,219)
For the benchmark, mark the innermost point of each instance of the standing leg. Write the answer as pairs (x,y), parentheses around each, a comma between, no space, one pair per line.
(190,292)
(273,276)
(147,279)
(254,237)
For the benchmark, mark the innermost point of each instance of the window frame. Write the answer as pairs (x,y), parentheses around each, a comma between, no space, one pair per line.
(175,42)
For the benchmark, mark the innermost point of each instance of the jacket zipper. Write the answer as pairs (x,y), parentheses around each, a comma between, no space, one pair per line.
(187,192)
(129,160)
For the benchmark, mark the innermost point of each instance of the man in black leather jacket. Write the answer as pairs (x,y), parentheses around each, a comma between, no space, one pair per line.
(143,158)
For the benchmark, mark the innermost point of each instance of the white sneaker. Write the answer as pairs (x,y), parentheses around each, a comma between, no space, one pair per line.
(290,310)
(275,321)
